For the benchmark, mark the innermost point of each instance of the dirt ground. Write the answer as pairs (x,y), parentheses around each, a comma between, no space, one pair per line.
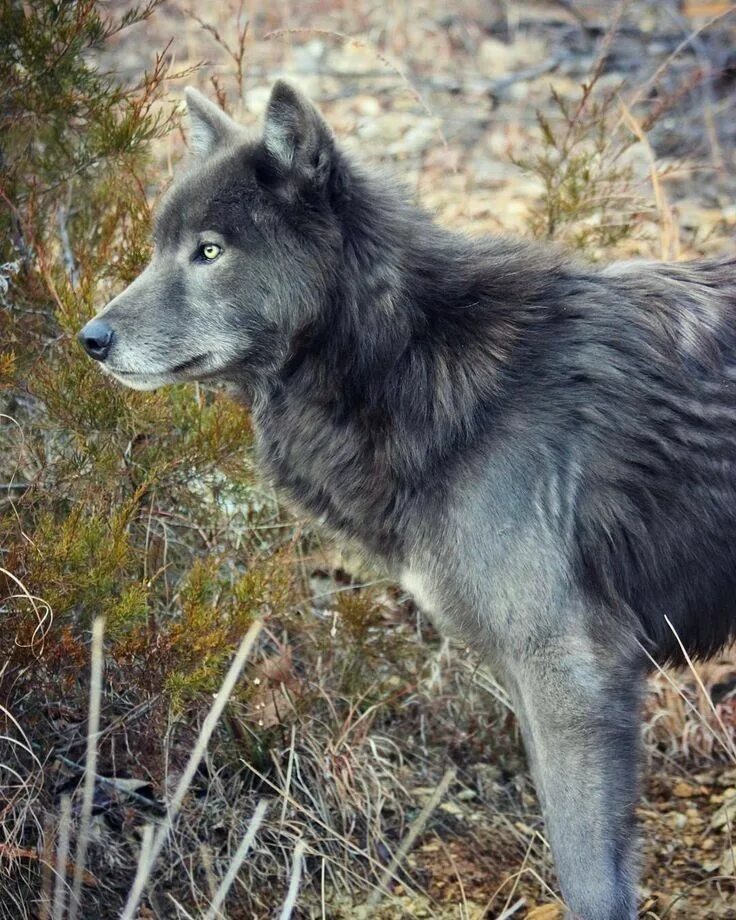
(446,97)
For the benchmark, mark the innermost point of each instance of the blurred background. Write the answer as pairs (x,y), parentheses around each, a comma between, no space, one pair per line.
(363,765)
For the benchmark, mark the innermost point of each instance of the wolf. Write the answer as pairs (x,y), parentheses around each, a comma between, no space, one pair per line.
(543,452)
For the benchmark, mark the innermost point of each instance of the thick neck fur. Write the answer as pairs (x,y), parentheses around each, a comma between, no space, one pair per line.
(402,366)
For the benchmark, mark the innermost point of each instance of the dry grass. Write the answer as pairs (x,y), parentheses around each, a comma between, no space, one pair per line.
(338,802)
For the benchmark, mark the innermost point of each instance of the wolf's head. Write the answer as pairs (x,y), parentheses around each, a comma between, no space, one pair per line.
(245,244)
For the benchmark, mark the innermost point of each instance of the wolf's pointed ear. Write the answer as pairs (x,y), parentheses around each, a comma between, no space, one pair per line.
(294,132)
(209,125)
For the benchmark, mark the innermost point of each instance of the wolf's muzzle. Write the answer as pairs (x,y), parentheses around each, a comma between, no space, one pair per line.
(96,339)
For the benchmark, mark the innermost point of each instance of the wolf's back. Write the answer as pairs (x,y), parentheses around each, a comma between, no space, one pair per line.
(657,515)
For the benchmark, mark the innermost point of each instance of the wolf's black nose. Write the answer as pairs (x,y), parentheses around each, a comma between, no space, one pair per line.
(96,339)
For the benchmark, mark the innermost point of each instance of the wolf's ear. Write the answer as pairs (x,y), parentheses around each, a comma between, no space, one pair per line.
(294,132)
(209,125)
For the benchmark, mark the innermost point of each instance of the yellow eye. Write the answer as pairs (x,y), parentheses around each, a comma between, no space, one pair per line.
(210,251)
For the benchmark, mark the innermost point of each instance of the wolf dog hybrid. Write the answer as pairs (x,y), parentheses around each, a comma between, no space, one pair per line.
(541,451)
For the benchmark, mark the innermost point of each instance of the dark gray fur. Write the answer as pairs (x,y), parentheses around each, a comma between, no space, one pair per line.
(544,452)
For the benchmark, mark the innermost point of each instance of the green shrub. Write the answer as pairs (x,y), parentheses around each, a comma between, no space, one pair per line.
(87,465)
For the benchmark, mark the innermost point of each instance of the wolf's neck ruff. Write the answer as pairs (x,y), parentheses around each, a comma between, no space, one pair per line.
(402,366)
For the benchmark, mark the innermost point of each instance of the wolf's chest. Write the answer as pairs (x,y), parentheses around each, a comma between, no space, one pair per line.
(331,480)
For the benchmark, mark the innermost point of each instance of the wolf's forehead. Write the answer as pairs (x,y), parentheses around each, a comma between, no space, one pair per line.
(214,196)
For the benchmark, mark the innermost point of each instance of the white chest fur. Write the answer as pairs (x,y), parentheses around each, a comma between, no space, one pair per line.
(418,585)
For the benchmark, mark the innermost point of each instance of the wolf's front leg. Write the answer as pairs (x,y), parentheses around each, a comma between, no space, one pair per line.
(580,722)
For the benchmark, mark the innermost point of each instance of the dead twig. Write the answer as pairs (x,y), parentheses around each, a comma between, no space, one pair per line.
(156,843)
(414,831)
(93,727)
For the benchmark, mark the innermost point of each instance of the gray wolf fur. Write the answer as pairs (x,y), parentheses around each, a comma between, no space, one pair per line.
(542,451)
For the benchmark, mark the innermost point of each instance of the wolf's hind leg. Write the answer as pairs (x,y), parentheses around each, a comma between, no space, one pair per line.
(580,723)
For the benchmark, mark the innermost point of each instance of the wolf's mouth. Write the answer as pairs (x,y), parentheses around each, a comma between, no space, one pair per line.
(188,365)
(152,380)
